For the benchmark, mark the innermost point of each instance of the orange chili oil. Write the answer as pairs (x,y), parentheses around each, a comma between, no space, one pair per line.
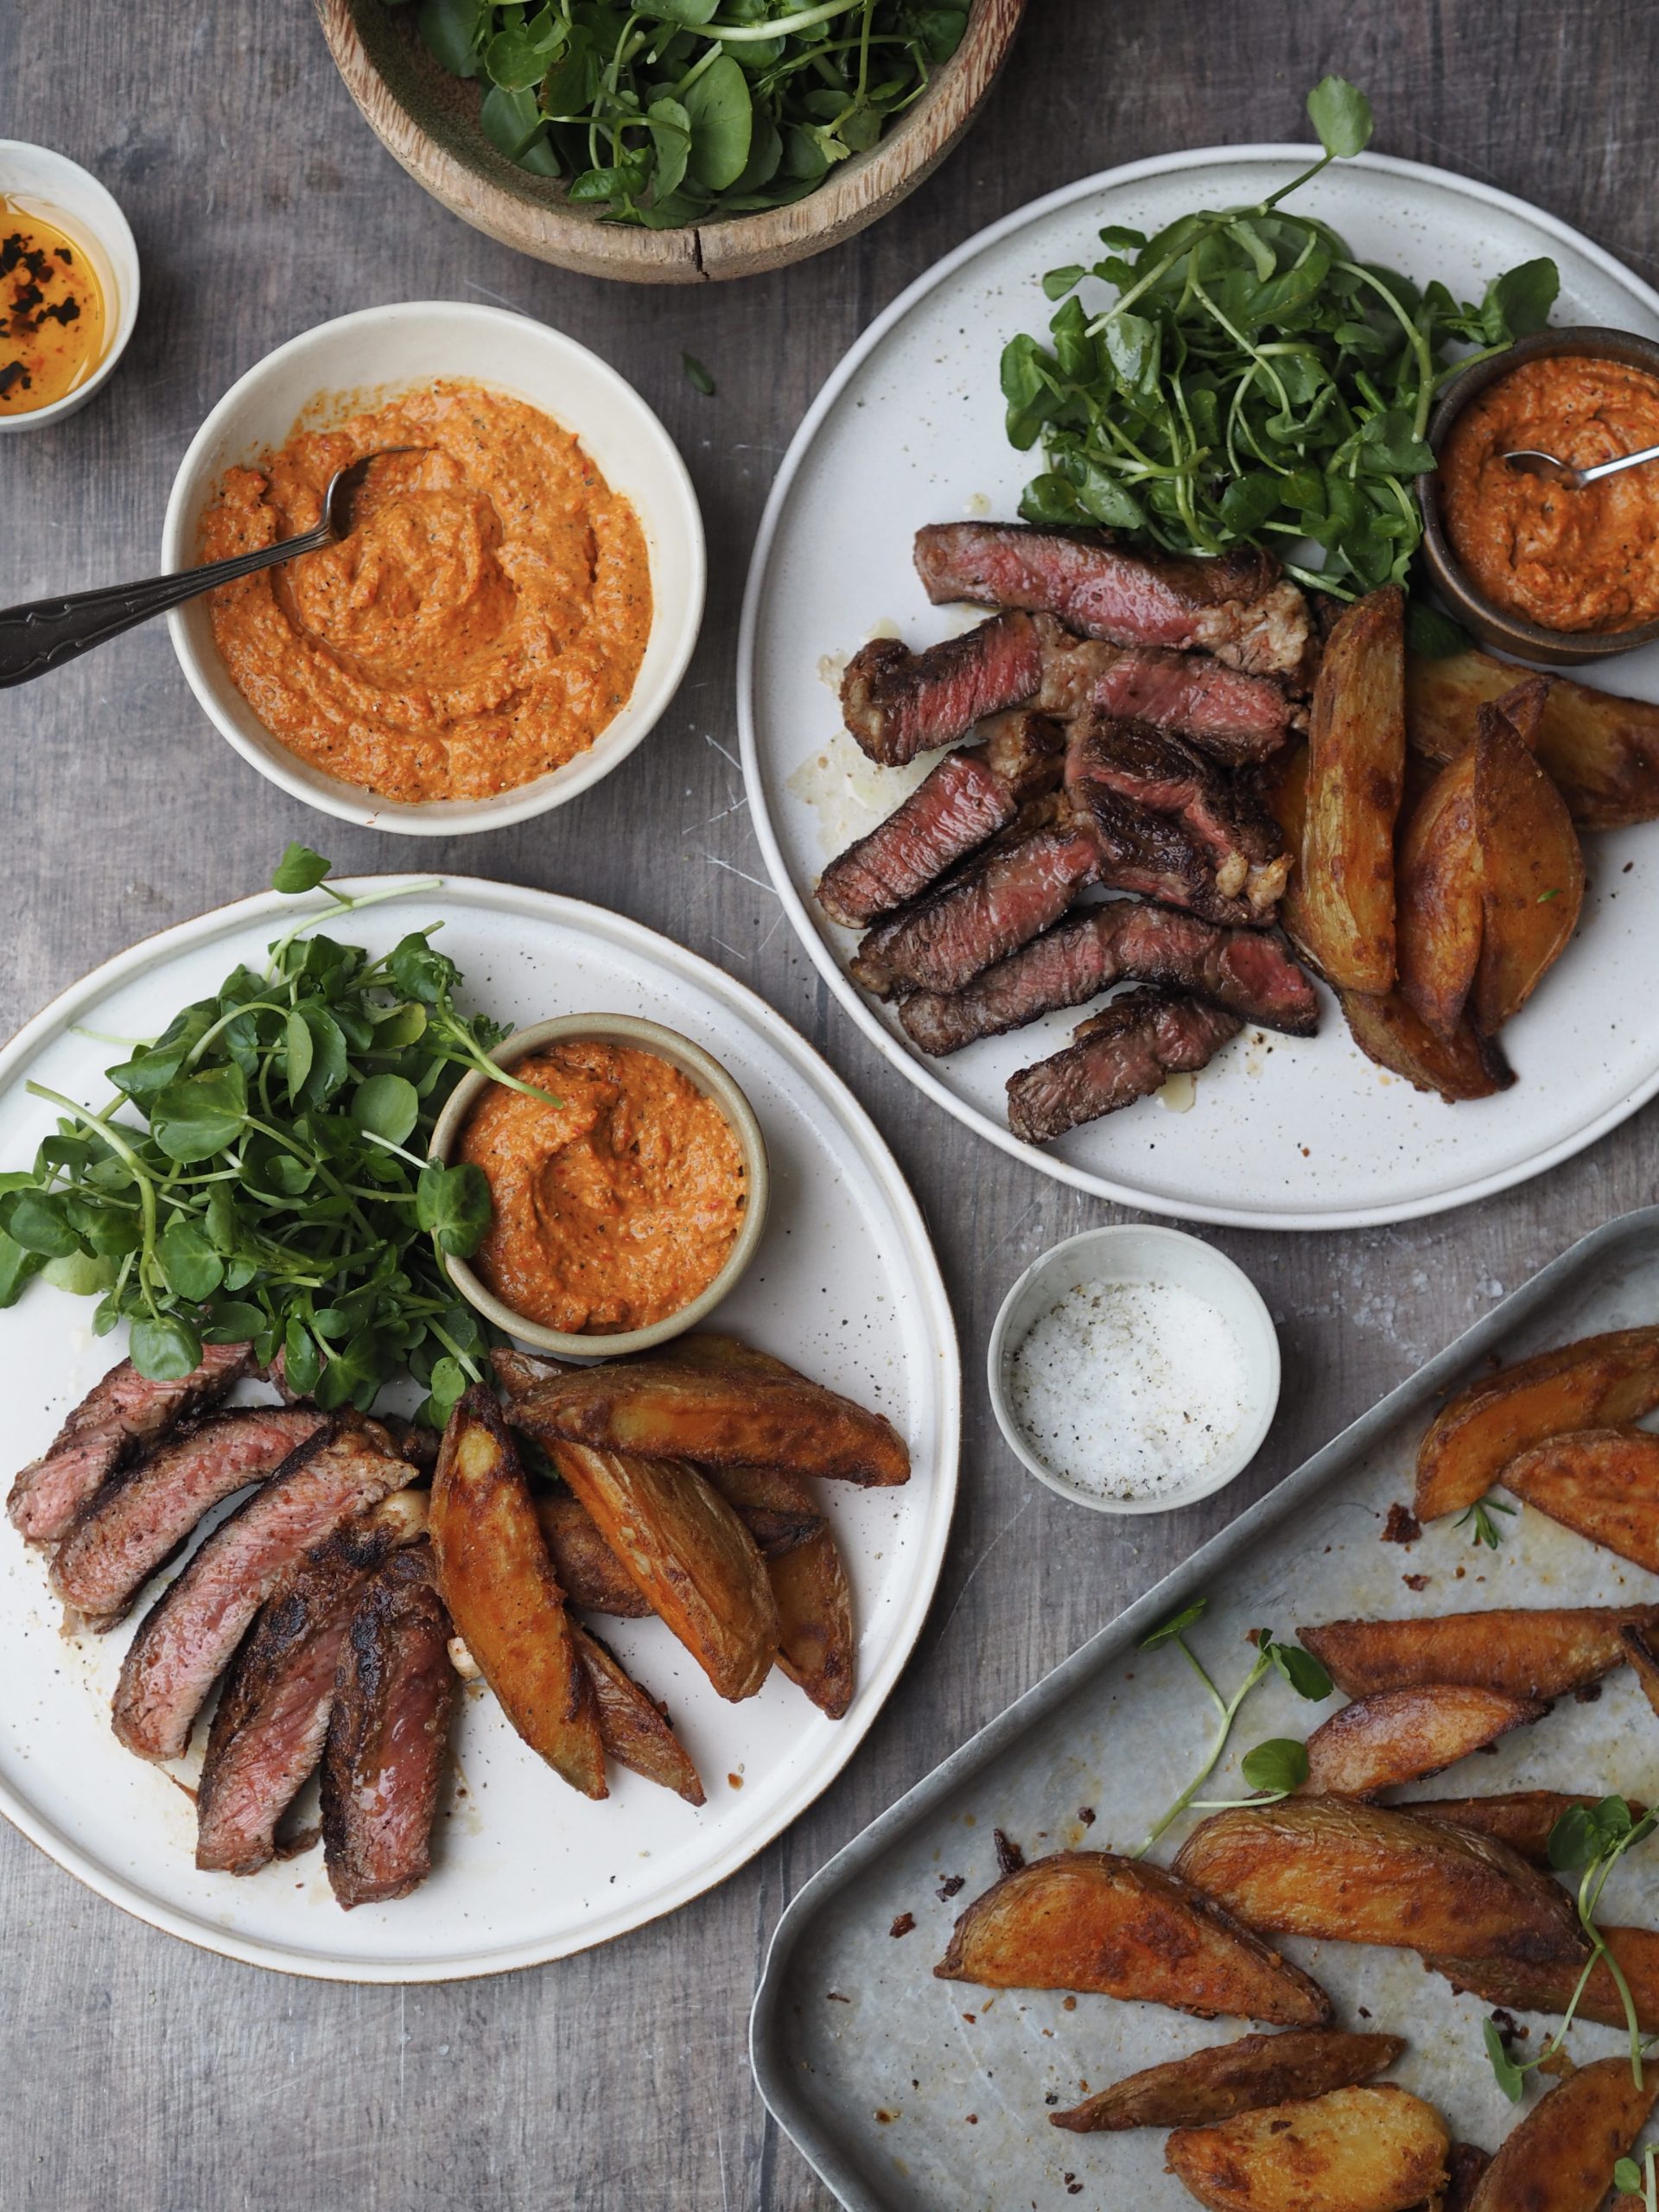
(52,319)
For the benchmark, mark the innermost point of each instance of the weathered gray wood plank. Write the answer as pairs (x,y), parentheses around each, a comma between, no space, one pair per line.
(139,2072)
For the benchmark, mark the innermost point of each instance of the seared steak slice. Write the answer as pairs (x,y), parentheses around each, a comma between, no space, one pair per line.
(997,901)
(898,704)
(387,1735)
(1231,716)
(1158,856)
(189,1635)
(966,800)
(272,1716)
(1236,606)
(122,1412)
(1245,971)
(141,1516)
(1237,839)
(1121,1055)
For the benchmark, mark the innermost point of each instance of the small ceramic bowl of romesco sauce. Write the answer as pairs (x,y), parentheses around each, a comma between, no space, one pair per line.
(1534,568)
(623,1215)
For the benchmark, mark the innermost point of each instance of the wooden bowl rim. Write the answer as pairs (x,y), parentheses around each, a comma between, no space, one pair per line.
(856,192)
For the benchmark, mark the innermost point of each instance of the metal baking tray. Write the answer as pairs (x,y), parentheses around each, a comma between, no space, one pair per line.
(909,2095)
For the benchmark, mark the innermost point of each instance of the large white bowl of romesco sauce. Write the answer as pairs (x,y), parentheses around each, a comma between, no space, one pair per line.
(627,1179)
(515,605)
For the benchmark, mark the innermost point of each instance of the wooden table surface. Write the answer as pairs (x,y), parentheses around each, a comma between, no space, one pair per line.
(137,2071)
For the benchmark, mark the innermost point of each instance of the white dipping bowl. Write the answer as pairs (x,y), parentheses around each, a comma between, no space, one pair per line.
(55,185)
(388,349)
(1130,1254)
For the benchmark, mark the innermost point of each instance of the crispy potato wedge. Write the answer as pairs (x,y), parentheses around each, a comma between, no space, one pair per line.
(809,1584)
(688,1553)
(1561,2157)
(593,1579)
(1355,769)
(1233,2077)
(496,1579)
(1523,1651)
(1282,784)
(1437,892)
(1089,1920)
(631,1722)
(1602,753)
(1640,1650)
(1399,1736)
(1521,1818)
(1458,1068)
(664,1410)
(1597,1381)
(1524,1988)
(1357,2150)
(1603,1482)
(1354,1873)
(1531,873)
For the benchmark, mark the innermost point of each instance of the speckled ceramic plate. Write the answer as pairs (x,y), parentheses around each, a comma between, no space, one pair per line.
(1283,1133)
(844,1285)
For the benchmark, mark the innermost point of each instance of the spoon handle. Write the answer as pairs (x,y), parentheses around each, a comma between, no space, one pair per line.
(47,632)
(1611,467)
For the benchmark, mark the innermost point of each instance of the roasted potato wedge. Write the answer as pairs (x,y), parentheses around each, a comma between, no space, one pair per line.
(1561,2157)
(1521,1818)
(1643,1658)
(1355,769)
(688,1553)
(809,1584)
(1437,891)
(1359,2150)
(664,1410)
(1603,1482)
(631,1722)
(496,1579)
(1520,1987)
(1458,1068)
(1233,2077)
(1597,1381)
(1282,784)
(1531,873)
(1602,753)
(1089,1920)
(592,1577)
(1325,1867)
(1523,1651)
(1399,1736)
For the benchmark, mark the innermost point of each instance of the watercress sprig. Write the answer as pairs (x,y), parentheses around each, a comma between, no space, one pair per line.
(1632,2180)
(1269,1766)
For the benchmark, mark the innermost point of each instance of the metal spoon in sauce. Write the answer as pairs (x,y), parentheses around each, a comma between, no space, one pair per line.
(47,632)
(1527,463)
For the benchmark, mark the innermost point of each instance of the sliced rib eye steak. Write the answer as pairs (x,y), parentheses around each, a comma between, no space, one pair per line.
(1119,1056)
(1158,856)
(394,1693)
(1244,971)
(1236,606)
(898,704)
(1153,770)
(140,1516)
(960,807)
(119,1416)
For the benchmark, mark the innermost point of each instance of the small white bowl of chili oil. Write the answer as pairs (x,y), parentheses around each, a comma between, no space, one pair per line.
(68,286)
(624,1214)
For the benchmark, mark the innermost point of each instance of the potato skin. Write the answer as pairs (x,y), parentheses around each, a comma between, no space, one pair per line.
(1355,772)
(1437,890)
(1643,1658)
(1531,873)
(1233,2077)
(1523,1988)
(1597,1380)
(1399,1736)
(1355,2149)
(1092,1921)
(1464,2169)
(1561,2157)
(1604,1483)
(1526,1651)
(1458,1068)
(1329,1868)
(631,1724)
(1521,1818)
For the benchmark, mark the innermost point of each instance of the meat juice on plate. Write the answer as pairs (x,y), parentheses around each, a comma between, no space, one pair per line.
(1129,1389)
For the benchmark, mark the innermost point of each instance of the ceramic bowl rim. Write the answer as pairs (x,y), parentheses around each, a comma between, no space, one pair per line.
(113,235)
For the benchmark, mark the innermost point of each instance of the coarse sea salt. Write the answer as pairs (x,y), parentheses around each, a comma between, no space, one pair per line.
(1129,1389)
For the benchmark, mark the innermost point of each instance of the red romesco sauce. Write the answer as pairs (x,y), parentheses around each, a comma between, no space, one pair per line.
(617,1207)
(1569,561)
(482,624)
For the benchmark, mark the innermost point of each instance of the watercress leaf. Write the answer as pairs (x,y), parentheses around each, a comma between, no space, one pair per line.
(1627,2177)
(1248,500)
(37,1221)
(1389,446)
(696,376)
(298,1052)
(232,1321)
(1027,388)
(1300,1669)
(1105,499)
(1132,343)
(1178,1625)
(1059,282)
(329,1059)
(192,1269)
(517,55)
(17,1265)
(765,155)
(803,153)
(453,31)
(418,971)
(1432,635)
(670,137)
(1519,302)
(1508,2074)
(302,1357)
(165,1347)
(678,11)
(1260,254)
(1120,237)
(1574,1841)
(387,1106)
(398,1028)
(199,1115)
(82,1274)
(940,30)
(299,869)
(722,116)
(453,1204)
(1279,1765)
(1341,114)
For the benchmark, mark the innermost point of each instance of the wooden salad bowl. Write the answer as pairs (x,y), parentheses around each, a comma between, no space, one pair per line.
(427,121)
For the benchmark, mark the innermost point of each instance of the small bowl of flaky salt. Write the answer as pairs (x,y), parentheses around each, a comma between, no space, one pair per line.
(1134,1369)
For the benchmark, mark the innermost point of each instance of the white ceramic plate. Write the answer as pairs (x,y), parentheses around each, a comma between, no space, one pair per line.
(845,1285)
(1285,1133)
